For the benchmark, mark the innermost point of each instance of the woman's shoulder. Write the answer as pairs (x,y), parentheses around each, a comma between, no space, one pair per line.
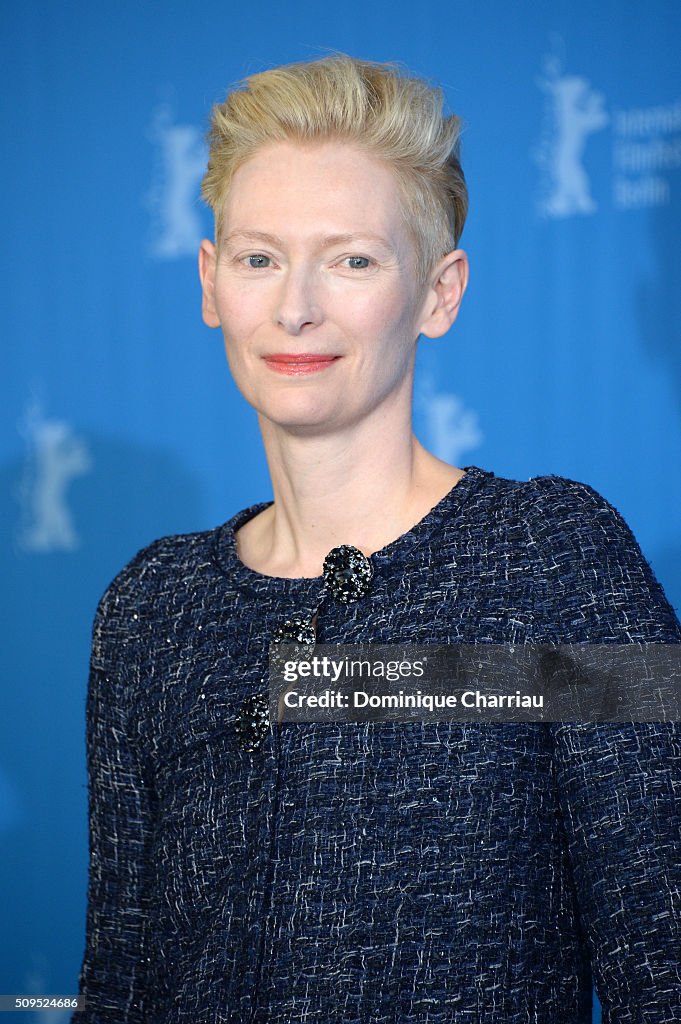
(557,507)
(587,562)
(165,556)
(544,512)
(568,528)
(573,529)
(160,572)
(551,490)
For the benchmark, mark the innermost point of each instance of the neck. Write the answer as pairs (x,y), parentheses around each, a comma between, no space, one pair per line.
(366,487)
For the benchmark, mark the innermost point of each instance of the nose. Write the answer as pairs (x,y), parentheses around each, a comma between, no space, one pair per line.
(298,303)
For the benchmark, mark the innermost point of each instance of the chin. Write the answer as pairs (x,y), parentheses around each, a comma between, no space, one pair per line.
(298,417)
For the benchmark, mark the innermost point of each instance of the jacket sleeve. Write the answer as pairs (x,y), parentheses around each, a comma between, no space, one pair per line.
(112,977)
(619,784)
(620,793)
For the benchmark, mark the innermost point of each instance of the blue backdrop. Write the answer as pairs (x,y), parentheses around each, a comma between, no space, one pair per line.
(118,421)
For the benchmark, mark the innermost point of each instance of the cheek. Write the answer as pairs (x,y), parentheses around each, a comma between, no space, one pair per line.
(385,312)
(390,323)
(237,315)
(239,300)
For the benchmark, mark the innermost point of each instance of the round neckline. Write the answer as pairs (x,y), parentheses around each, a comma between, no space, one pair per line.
(451,502)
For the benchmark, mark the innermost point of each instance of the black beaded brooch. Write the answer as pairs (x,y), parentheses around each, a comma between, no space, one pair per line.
(253,722)
(299,632)
(347,573)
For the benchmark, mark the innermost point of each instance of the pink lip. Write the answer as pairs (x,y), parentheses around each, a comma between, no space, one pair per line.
(299,363)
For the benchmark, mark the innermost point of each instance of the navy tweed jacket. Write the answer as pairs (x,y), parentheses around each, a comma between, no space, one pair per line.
(380,873)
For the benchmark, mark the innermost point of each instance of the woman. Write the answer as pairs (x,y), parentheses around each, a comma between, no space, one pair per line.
(344,871)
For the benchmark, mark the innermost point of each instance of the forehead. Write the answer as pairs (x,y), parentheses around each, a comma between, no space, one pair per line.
(327,187)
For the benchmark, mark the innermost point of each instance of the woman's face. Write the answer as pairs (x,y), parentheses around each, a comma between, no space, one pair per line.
(314,287)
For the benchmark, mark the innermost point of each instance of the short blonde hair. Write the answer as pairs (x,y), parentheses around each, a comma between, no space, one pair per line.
(394,116)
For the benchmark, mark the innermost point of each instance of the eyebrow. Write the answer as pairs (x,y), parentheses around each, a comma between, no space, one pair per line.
(323,241)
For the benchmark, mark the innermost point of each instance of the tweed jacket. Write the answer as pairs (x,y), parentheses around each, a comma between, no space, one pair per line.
(380,872)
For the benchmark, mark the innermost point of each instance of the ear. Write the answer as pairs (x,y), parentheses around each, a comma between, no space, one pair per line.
(207,262)
(445,292)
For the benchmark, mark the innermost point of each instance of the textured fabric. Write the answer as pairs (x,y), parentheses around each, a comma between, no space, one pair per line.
(411,873)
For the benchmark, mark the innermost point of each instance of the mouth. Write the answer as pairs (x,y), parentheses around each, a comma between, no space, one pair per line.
(299,364)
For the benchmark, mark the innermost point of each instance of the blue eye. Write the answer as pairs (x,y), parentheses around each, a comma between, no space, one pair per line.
(358,262)
(258,261)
